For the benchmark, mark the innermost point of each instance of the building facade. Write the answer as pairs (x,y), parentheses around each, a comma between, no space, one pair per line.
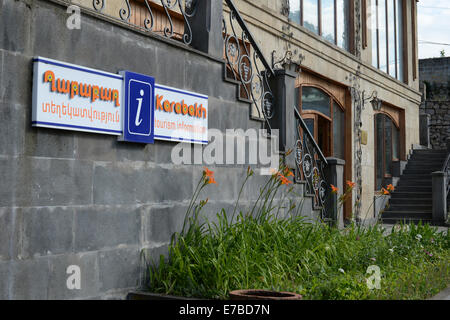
(337,79)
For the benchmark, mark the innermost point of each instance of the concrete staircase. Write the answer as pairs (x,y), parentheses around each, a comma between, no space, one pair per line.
(412,199)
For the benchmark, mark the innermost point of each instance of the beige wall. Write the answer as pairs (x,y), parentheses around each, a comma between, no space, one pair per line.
(273,31)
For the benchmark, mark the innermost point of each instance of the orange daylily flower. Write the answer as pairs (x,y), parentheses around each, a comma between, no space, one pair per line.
(384,191)
(334,189)
(390,188)
(283,179)
(351,184)
(209,175)
(289,173)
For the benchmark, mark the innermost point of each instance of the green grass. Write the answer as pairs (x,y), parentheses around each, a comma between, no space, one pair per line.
(258,250)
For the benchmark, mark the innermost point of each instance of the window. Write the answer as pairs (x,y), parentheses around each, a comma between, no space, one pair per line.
(325,119)
(387,142)
(327,18)
(387,36)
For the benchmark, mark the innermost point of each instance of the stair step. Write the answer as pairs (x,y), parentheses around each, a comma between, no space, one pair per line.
(428,151)
(406,215)
(412,201)
(411,195)
(417,188)
(430,169)
(417,171)
(414,177)
(425,164)
(414,183)
(409,207)
(428,156)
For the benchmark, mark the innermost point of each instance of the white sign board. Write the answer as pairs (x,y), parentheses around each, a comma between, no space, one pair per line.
(67,96)
(71,97)
(180,115)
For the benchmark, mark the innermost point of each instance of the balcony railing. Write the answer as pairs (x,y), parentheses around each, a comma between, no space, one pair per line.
(168,18)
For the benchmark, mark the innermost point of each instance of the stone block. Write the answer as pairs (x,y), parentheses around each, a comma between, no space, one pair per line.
(4,278)
(9,233)
(119,268)
(202,74)
(114,184)
(52,40)
(171,66)
(51,143)
(96,147)
(161,223)
(105,227)
(224,115)
(89,276)
(137,182)
(15,36)
(164,184)
(12,129)
(135,151)
(163,151)
(254,185)
(16,82)
(226,186)
(8,169)
(29,279)
(46,231)
(52,182)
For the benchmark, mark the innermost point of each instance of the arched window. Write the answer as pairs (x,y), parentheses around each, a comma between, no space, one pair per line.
(387,148)
(325,119)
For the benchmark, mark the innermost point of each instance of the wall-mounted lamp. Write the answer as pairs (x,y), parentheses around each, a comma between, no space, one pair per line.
(374,101)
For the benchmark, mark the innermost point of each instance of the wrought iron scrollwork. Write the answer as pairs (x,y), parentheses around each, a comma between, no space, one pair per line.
(125,13)
(246,64)
(186,8)
(98,5)
(149,22)
(310,163)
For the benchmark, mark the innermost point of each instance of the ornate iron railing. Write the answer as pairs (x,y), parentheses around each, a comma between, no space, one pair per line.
(310,163)
(172,17)
(246,64)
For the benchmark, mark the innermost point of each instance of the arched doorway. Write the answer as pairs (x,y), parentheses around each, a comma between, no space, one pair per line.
(325,107)
(387,148)
(325,118)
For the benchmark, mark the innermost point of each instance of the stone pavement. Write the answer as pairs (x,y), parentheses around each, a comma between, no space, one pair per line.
(443,295)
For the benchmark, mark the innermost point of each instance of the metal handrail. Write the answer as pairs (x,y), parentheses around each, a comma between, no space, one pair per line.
(310,136)
(249,35)
(310,163)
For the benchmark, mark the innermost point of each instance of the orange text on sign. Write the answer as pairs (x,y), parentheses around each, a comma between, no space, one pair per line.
(193,110)
(74,88)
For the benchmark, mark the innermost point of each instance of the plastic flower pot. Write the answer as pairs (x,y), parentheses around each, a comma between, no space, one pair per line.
(255,294)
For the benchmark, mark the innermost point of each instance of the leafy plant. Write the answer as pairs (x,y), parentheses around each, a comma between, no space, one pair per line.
(266,250)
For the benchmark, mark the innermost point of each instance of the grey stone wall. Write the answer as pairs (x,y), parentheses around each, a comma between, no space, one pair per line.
(435,85)
(439,127)
(435,70)
(85,199)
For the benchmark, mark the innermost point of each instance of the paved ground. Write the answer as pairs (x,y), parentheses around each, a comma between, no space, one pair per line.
(443,295)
